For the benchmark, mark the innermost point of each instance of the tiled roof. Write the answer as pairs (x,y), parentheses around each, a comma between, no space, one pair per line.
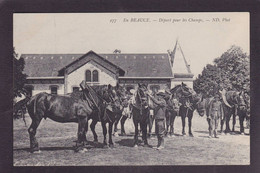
(134,65)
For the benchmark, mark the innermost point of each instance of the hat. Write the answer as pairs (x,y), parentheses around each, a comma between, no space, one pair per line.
(161,93)
(132,91)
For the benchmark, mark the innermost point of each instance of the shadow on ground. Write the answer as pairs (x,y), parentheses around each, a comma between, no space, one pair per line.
(46,149)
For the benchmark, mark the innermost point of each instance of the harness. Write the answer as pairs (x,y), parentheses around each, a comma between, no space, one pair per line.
(104,101)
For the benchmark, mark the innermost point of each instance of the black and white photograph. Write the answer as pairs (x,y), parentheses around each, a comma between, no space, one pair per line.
(131,89)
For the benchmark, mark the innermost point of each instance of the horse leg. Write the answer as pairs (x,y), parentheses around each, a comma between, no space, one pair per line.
(144,132)
(183,125)
(168,116)
(81,133)
(227,123)
(172,124)
(85,132)
(234,123)
(222,124)
(92,127)
(104,133)
(136,134)
(210,127)
(116,123)
(190,120)
(241,122)
(150,125)
(110,129)
(122,122)
(34,146)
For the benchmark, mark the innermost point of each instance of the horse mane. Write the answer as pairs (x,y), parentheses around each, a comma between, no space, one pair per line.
(173,90)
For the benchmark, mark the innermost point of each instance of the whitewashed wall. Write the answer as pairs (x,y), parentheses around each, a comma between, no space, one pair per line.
(46,88)
(77,76)
(188,82)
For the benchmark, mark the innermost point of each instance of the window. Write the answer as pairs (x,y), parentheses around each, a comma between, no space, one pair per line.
(88,76)
(92,77)
(155,88)
(95,76)
(75,89)
(54,90)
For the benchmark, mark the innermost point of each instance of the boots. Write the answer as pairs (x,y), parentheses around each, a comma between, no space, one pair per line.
(160,143)
(215,133)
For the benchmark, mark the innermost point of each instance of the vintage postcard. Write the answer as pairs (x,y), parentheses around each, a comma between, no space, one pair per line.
(131,89)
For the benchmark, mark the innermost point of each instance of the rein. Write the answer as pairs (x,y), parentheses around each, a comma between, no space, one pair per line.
(138,92)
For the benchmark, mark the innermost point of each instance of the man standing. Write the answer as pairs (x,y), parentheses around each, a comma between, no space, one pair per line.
(215,113)
(159,115)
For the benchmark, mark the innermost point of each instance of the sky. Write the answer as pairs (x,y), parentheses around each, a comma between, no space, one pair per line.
(202,36)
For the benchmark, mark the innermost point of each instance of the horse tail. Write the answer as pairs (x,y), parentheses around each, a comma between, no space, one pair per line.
(21,105)
(26,100)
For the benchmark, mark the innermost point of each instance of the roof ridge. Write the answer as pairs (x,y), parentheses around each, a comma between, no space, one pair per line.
(185,61)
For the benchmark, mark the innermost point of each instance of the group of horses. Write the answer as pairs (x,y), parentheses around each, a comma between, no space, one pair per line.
(106,104)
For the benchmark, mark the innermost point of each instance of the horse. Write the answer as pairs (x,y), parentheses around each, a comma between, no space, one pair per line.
(172,110)
(106,103)
(235,106)
(124,114)
(140,112)
(63,109)
(189,100)
(238,107)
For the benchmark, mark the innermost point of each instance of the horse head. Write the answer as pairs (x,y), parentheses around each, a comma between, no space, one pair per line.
(201,105)
(240,99)
(141,96)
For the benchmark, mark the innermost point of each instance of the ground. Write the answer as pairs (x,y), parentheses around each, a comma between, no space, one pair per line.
(56,141)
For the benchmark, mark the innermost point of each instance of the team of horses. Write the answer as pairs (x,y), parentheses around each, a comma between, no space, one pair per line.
(106,104)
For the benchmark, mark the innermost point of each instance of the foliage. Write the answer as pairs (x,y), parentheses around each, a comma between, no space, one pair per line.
(19,78)
(230,71)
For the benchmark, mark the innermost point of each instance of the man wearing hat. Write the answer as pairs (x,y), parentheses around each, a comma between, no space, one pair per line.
(215,113)
(159,116)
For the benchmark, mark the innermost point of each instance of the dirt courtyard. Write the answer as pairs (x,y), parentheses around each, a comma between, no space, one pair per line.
(56,141)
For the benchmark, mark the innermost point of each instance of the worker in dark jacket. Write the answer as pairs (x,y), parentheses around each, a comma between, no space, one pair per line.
(159,116)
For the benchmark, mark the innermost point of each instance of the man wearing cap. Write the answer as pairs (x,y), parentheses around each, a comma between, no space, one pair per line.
(159,115)
(215,113)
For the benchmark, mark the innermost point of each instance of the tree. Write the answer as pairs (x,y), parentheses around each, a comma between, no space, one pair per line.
(230,71)
(19,78)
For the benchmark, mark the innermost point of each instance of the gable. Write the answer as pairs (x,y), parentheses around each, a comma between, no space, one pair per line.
(178,60)
(92,56)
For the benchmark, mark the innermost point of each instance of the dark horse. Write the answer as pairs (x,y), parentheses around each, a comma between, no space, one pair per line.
(61,109)
(235,106)
(189,102)
(106,103)
(122,116)
(140,112)
(238,107)
(172,110)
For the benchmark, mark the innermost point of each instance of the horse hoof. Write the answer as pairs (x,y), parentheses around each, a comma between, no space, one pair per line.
(116,134)
(36,152)
(191,135)
(83,150)
(183,134)
(111,145)
(146,145)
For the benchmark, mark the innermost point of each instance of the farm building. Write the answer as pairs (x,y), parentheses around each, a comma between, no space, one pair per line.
(62,73)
